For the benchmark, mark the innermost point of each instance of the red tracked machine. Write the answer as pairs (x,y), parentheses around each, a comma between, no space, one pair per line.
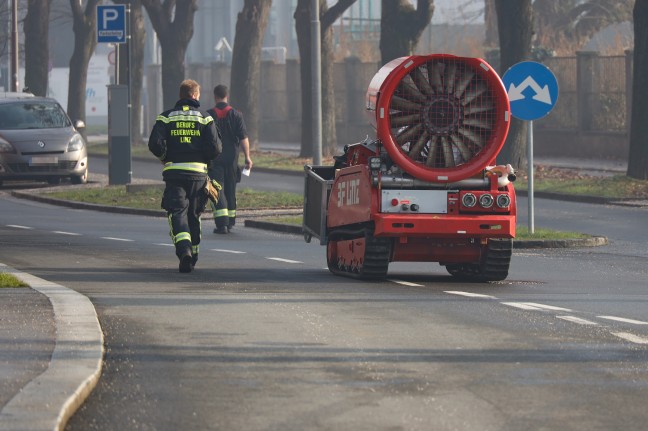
(427,188)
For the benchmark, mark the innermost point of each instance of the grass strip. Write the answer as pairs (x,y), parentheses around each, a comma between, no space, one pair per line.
(9,280)
(149,198)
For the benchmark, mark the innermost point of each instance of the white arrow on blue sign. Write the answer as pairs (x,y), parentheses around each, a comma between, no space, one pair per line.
(532,90)
(111,24)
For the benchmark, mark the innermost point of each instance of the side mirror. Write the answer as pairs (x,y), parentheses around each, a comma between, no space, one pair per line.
(79,124)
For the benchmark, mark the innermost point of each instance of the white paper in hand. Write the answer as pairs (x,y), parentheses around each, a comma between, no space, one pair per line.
(245,172)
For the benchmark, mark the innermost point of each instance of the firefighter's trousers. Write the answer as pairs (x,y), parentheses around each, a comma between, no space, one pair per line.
(184,200)
(225,211)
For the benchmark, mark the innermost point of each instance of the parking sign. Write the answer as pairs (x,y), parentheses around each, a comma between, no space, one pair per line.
(111,24)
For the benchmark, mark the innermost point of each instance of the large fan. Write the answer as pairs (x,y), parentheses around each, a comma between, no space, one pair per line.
(441,118)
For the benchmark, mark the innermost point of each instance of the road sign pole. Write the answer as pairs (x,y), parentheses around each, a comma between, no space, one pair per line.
(530,170)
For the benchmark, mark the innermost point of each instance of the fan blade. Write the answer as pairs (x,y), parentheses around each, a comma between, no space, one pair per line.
(435,77)
(433,152)
(401,104)
(422,82)
(474,92)
(471,136)
(463,82)
(449,77)
(476,109)
(400,120)
(466,154)
(416,148)
(477,122)
(448,156)
(411,92)
(409,133)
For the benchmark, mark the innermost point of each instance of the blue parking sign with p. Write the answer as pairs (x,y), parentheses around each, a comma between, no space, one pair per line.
(111,24)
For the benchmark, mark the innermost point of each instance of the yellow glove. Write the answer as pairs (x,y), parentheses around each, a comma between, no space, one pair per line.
(213,188)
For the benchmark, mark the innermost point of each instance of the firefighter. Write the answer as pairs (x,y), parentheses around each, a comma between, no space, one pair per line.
(225,168)
(186,140)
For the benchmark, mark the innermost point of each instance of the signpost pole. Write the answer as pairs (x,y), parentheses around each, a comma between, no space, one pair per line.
(530,169)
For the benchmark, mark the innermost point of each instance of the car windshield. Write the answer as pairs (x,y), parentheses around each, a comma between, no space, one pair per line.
(32,115)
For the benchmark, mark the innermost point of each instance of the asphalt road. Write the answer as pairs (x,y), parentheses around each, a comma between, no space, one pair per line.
(262,337)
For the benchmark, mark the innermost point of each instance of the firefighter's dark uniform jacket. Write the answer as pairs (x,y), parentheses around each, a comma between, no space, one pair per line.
(186,140)
(225,168)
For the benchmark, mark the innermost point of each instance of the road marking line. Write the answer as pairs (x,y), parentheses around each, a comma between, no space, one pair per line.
(60,232)
(280,259)
(117,239)
(578,320)
(631,337)
(228,251)
(623,319)
(469,294)
(535,306)
(165,244)
(406,283)
(17,226)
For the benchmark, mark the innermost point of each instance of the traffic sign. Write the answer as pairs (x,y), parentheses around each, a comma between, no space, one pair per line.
(111,24)
(532,90)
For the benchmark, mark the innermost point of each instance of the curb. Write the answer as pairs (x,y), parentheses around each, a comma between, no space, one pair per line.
(49,400)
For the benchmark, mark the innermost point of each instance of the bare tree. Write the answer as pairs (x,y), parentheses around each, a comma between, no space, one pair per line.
(401,27)
(36,27)
(302,27)
(565,25)
(173,24)
(246,63)
(136,63)
(515,24)
(638,158)
(84,25)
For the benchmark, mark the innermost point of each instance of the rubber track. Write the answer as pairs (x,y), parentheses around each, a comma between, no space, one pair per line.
(375,262)
(495,266)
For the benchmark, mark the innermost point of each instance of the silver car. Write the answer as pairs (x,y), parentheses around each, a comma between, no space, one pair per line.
(39,142)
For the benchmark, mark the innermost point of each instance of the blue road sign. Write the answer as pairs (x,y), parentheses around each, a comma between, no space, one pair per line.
(532,90)
(111,24)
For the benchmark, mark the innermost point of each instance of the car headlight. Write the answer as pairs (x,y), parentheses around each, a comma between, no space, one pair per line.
(76,143)
(6,147)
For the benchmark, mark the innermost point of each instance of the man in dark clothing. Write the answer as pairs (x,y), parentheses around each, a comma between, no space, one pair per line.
(186,140)
(225,168)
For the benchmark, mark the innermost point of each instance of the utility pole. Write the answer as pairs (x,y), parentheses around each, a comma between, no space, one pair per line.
(316,77)
(14,45)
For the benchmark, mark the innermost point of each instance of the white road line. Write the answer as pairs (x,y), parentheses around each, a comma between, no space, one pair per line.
(469,294)
(631,337)
(60,232)
(228,251)
(117,239)
(164,245)
(17,226)
(535,306)
(623,319)
(578,320)
(406,283)
(280,259)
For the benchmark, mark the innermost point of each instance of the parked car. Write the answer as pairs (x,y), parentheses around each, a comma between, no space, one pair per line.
(39,142)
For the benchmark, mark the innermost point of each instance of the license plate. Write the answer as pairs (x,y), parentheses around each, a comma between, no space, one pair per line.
(43,160)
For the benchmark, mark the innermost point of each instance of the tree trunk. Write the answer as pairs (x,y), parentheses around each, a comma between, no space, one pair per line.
(36,27)
(137,40)
(85,40)
(174,36)
(303,28)
(638,156)
(245,78)
(515,24)
(401,27)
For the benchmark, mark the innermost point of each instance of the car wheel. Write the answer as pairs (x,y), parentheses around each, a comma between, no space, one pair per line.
(54,180)
(80,179)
